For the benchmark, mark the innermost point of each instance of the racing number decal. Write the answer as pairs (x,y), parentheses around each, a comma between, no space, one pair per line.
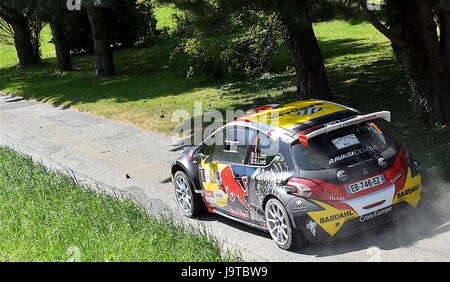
(209,178)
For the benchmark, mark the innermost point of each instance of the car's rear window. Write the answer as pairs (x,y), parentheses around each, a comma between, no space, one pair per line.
(343,147)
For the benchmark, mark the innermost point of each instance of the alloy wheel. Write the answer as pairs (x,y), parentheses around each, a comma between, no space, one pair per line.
(183,194)
(278,223)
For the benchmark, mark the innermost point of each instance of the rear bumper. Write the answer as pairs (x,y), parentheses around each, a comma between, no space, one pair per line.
(317,231)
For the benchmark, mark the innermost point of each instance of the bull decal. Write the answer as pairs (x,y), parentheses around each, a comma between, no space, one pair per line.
(230,186)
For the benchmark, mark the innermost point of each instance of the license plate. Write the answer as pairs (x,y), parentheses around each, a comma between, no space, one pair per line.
(365,184)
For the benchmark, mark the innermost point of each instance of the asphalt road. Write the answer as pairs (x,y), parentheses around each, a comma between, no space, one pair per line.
(102,152)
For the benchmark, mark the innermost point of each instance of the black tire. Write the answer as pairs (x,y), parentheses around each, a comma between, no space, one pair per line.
(291,234)
(197,206)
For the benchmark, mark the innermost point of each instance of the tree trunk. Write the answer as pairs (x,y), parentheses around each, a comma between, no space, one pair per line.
(429,93)
(423,57)
(312,80)
(22,40)
(61,47)
(103,50)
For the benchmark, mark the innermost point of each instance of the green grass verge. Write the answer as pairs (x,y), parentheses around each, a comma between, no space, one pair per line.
(362,70)
(47,216)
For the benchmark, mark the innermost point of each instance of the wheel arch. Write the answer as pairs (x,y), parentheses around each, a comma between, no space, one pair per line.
(176,167)
(267,198)
(284,202)
(180,167)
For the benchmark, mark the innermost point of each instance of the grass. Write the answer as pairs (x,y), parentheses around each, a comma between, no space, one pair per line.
(362,70)
(48,216)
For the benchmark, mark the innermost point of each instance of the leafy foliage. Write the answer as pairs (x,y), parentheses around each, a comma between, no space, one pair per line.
(241,45)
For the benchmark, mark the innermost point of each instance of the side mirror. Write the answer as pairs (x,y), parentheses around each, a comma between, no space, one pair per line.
(197,158)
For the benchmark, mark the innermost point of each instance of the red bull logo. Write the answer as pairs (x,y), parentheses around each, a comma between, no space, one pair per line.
(232,188)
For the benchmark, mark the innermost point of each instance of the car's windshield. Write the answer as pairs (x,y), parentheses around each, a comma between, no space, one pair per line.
(343,147)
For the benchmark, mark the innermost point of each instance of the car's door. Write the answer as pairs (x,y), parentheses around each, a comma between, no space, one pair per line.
(266,170)
(222,171)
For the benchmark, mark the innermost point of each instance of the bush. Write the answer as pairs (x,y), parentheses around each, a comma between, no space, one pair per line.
(248,52)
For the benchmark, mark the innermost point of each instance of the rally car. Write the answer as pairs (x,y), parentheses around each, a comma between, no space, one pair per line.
(309,170)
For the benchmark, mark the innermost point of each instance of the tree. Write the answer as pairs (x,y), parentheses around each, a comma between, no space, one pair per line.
(16,14)
(55,12)
(312,80)
(424,53)
(97,11)
(131,18)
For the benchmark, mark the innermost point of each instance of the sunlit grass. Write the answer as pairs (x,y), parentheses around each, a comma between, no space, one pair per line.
(48,216)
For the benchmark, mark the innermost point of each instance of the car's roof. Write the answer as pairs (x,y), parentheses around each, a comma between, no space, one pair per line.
(298,115)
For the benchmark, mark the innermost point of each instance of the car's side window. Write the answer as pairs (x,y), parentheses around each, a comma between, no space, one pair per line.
(208,147)
(233,145)
(263,150)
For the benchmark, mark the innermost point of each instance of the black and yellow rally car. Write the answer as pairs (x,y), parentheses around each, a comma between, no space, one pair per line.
(311,170)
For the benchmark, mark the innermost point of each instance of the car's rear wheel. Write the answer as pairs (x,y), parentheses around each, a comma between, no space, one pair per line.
(190,203)
(279,225)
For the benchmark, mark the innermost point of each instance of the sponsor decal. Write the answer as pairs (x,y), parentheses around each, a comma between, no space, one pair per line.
(345,141)
(219,195)
(209,197)
(230,186)
(330,218)
(335,217)
(395,179)
(351,154)
(307,110)
(333,198)
(374,214)
(411,190)
(312,226)
(239,213)
(299,206)
(408,191)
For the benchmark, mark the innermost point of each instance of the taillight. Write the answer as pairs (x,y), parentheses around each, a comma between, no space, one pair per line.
(303,188)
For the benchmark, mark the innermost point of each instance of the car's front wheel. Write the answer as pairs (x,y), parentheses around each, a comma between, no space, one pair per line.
(279,224)
(190,203)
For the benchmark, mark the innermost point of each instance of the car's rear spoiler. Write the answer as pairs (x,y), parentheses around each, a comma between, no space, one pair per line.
(308,134)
